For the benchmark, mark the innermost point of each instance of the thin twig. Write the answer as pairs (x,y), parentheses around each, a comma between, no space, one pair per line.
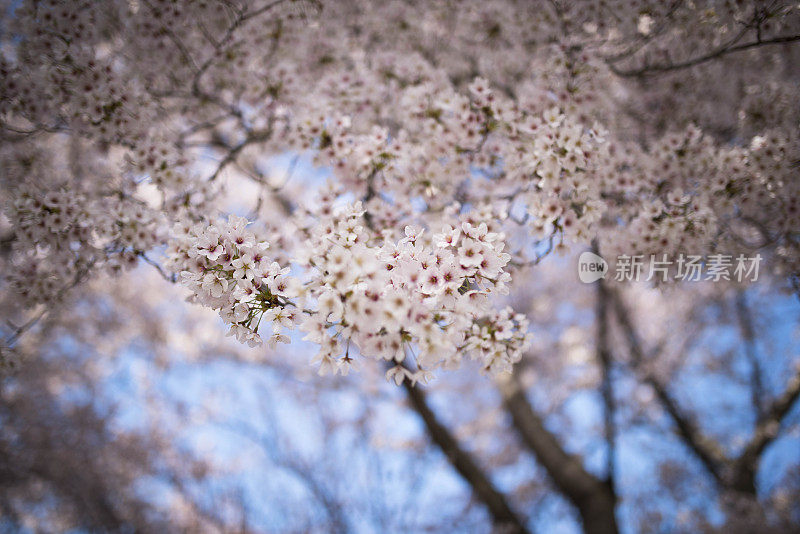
(748,333)
(171,278)
(654,69)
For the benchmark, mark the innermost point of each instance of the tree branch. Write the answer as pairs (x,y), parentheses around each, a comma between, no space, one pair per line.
(592,497)
(604,360)
(240,19)
(272,449)
(748,333)
(234,151)
(703,447)
(767,429)
(737,474)
(504,517)
(722,51)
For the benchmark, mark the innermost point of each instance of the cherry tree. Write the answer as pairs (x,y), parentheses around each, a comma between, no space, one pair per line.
(454,154)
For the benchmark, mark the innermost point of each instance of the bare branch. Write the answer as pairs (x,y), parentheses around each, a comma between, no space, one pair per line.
(748,333)
(271,447)
(591,496)
(171,278)
(20,331)
(502,514)
(722,51)
(767,430)
(233,152)
(241,18)
(604,360)
(704,448)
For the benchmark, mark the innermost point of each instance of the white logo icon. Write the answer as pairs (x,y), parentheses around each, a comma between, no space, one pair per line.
(591,267)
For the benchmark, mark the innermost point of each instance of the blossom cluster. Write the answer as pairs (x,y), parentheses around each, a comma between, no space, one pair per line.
(689,195)
(62,233)
(226,267)
(422,295)
(426,295)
